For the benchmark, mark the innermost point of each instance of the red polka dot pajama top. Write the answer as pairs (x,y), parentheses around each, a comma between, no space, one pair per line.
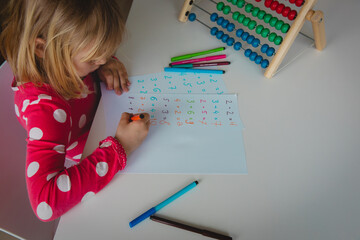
(57,131)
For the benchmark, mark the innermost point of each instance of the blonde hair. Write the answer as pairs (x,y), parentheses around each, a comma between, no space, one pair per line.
(67,26)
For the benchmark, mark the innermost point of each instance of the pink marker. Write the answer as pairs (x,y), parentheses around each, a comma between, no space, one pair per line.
(199,59)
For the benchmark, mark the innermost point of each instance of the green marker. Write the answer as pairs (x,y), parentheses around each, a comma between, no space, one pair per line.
(190,55)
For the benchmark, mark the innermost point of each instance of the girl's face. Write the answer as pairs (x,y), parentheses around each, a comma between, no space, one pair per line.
(84,68)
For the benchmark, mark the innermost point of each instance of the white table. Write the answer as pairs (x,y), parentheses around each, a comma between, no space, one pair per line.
(302,142)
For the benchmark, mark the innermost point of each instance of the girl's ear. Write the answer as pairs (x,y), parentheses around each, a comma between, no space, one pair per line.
(40,47)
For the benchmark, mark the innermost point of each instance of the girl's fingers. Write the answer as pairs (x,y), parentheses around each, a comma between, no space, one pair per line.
(117,86)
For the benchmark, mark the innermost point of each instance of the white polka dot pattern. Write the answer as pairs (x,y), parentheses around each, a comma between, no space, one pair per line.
(60,115)
(35,134)
(51,175)
(44,211)
(87,196)
(102,168)
(25,105)
(63,183)
(82,121)
(72,146)
(60,149)
(17,110)
(105,144)
(77,156)
(32,169)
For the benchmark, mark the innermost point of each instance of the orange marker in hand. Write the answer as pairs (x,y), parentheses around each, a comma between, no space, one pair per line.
(137,117)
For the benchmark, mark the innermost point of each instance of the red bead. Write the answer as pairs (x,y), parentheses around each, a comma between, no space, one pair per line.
(292,15)
(258,0)
(280,8)
(274,5)
(291,1)
(268,3)
(286,11)
(299,3)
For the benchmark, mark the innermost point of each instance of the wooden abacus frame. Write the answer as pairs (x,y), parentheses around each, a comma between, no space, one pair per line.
(306,13)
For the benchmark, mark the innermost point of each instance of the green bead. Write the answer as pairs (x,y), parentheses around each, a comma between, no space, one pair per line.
(273,21)
(259,29)
(249,7)
(267,18)
(241,18)
(265,32)
(235,15)
(278,40)
(229,0)
(252,24)
(255,11)
(261,14)
(241,3)
(246,21)
(234,2)
(279,24)
(285,28)
(227,10)
(220,6)
(272,36)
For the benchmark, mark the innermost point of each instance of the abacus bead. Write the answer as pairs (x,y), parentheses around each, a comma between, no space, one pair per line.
(255,11)
(279,24)
(230,41)
(259,28)
(230,27)
(292,1)
(240,3)
(278,40)
(225,23)
(264,48)
(252,24)
(285,28)
(257,0)
(252,56)
(270,51)
(274,5)
(292,15)
(192,17)
(213,31)
(234,2)
(256,43)
(237,46)
(265,32)
(235,15)
(264,63)
(247,52)
(239,32)
(227,10)
(280,8)
(267,18)
(250,39)
(261,14)
(244,36)
(241,18)
(229,0)
(219,21)
(298,3)
(258,59)
(219,34)
(246,21)
(267,3)
(213,17)
(224,38)
(286,11)
(220,6)
(249,7)
(272,36)
(273,21)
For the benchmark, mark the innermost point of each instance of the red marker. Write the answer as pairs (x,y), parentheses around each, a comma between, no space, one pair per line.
(137,117)
(205,64)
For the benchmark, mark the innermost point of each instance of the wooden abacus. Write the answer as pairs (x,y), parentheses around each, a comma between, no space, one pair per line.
(289,27)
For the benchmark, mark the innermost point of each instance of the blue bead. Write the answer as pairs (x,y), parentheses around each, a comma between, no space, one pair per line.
(256,43)
(192,17)
(258,59)
(219,34)
(219,20)
(270,51)
(225,23)
(214,30)
(239,32)
(247,52)
(265,63)
(252,56)
(237,46)
(264,48)
(250,39)
(244,36)
(230,41)
(224,38)
(231,27)
(213,17)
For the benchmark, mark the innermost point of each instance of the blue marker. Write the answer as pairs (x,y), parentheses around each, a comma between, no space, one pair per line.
(153,210)
(192,70)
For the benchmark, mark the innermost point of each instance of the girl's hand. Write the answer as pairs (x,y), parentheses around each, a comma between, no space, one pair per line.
(113,73)
(132,134)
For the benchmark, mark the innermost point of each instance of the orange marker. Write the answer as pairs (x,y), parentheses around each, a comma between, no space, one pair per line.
(137,117)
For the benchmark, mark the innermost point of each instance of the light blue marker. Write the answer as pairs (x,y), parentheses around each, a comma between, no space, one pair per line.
(192,70)
(153,210)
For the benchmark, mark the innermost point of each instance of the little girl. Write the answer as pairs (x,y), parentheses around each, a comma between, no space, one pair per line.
(57,50)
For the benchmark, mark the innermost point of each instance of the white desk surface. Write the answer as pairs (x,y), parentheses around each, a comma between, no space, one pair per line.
(302,141)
